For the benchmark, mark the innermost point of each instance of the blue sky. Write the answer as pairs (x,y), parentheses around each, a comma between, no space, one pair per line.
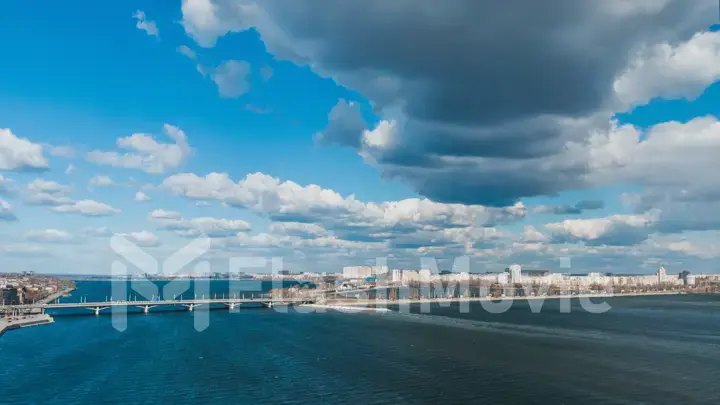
(508,145)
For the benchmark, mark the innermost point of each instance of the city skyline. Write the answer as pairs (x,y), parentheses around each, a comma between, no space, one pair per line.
(277,136)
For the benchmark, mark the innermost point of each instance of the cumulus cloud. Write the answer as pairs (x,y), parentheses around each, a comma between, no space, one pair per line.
(185,50)
(532,235)
(140,196)
(681,70)
(298,229)
(45,192)
(99,232)
(143,238)
(144,24)
(24,249)
(49,236)
(101,181)
(302,214)
(88,208)
(212,227)
(6,211)
(232,78)
(70,168)
(615,230)
(483,111)
(146,153)
(345,122)
(20,154)
(286,201)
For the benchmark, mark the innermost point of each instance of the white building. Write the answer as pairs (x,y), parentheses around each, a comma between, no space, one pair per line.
(363,271)
(515,273)
(425,275)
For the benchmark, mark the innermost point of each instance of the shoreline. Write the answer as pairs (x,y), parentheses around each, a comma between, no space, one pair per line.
(59,294)
(481,299)
(8,324)
(347,308)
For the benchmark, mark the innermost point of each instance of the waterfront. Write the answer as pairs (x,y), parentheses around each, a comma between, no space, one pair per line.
(646,349)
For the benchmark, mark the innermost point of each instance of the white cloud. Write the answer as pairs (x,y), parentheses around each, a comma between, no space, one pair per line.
(49,236)
(213,227)
(532,235)
(303,230)
(144,24)
(699,249)
(671,71)
(614,230)
(660,156)
(88,208)
(185,50)
(306,212)
(140,196)
(232,78)
(44,192)
(6,211)
(23,249)
(162,214)
(146,153)
(201,21)
(101,181)
(70,168)
(288,201)
(45,186)
(143,238)
(102,231)
(19,153)
(381,136)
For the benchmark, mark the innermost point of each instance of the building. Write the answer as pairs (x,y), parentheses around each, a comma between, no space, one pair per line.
(11,296)
(515,271)
(425,275)
(363,272)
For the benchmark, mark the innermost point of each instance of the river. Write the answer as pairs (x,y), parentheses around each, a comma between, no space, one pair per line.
(653,350)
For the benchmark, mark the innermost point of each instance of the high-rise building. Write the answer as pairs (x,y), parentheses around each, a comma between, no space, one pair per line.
(515,273)
(363,271)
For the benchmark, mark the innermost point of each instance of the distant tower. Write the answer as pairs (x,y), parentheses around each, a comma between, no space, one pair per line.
(515,273)
(661,275)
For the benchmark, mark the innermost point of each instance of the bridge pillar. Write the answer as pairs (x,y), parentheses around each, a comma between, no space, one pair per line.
(191,307)
(231,306)
(97,311)
(270,304)
(146,308)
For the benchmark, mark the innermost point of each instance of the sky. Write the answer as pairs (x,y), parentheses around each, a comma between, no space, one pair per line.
(570,136)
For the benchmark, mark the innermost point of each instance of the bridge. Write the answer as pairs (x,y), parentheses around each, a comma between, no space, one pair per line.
(190,304)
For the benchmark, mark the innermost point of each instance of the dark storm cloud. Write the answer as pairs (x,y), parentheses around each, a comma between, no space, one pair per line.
(483,80)
(345,124)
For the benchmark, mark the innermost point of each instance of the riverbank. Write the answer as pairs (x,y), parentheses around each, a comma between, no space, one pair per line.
(346,308)
(64,293)
(364,303)
(10,323)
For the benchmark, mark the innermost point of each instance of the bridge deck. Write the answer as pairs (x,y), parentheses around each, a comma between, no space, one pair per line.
(106,304)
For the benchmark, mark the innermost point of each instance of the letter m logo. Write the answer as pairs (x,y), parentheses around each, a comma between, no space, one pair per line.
(143,289)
